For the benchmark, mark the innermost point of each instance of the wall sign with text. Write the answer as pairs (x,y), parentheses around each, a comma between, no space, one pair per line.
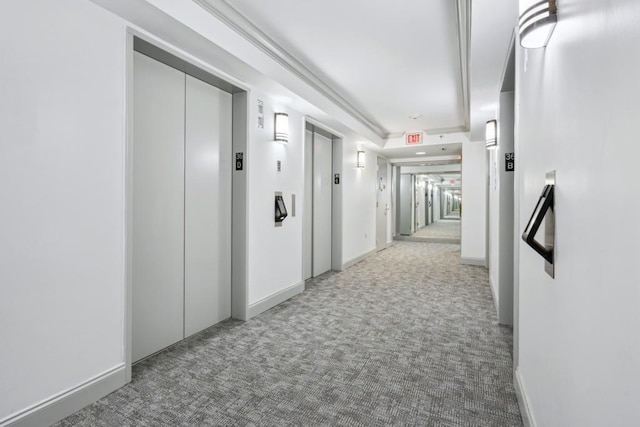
(414,138)
(509,162)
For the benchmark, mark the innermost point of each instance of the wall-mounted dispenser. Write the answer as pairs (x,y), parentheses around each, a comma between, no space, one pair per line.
(544,211)
(280,209)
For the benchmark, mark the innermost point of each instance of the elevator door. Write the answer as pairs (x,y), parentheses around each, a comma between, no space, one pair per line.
(181,206)
(308,205)
(322,186)
(158,206)
(207,275)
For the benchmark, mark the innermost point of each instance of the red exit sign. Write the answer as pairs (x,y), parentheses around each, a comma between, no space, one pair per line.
(414,138)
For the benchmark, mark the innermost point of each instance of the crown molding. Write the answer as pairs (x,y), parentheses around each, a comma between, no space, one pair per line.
(463,15)
(247,29)
(454,158)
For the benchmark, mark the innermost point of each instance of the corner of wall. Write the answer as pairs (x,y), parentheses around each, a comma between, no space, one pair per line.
(66,403)
(523,400)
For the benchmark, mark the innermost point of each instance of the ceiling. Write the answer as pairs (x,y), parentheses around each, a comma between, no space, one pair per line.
(396,62)
(396,67)
(433,66)
(432,153)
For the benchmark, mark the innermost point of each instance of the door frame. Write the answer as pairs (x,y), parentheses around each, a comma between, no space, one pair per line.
(385,244)
(137,41)
(336,195)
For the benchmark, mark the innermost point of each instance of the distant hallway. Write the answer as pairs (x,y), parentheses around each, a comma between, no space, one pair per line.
(408,336)
(446,230)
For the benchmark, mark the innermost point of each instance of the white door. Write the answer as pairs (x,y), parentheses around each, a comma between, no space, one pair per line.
(382,205)
(322,184)
(158,206)
(207,275)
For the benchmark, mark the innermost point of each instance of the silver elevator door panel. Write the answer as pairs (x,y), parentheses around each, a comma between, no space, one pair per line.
(181,206)
(207,277)
(322,194)
(308,205)
(158,206)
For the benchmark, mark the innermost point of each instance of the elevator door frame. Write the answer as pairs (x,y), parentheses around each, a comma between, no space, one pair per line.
(138,42)
(336,199)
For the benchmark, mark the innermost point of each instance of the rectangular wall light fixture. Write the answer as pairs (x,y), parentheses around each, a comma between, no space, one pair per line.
(281,127)
(537,21)
(360,159)
(490,132)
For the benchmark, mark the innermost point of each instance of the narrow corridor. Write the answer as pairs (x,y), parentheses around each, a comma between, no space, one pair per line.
(408,336)
(442,229)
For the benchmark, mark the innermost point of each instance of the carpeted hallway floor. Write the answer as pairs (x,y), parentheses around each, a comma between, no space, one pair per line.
(406,337)
(446,229)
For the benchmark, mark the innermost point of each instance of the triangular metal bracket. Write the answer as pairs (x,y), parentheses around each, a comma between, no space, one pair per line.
(544,209)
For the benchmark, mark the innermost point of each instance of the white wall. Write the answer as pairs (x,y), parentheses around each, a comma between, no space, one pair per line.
(358,200)
(390,202)
(274,257)
(422,201)
(62,154)
(473,225)
(62,177)
(436,202)
(494,225)
(578,115)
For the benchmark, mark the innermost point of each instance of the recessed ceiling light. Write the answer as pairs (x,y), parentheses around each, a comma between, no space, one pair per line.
(420,153)
(444,149)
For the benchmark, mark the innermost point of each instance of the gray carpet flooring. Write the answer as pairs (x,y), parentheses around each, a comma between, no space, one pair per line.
(444,229)
(406,337)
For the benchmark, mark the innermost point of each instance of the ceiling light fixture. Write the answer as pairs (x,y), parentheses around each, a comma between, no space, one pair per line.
(420,153)
(537,21)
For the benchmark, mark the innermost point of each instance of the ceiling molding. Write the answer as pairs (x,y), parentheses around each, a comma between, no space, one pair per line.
(243,26)
(447,131)
(463,16)
(396,135)
(455,158)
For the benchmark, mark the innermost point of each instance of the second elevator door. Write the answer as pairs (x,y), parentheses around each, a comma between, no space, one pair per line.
(322,195)
(181,206)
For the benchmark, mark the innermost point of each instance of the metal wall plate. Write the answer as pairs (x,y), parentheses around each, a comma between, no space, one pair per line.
(550,226)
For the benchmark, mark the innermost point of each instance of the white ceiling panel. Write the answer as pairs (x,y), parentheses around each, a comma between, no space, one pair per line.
(389,59)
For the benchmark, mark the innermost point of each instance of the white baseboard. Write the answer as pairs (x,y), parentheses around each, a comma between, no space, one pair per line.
(275,299)
(523,401)
(63,404)
(356,260)
(474,261)
(386,246)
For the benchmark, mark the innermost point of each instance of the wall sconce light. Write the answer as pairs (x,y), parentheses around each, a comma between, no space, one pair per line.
(360,159)
(281,128)
(537,21)
(490,133)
